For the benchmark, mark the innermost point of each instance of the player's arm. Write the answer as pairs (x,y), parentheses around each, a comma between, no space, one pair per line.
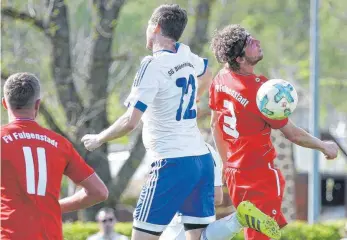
(218,195)
(218,179)
(144,90)
(93,191)
(302,138)
(122,126)
(217,134)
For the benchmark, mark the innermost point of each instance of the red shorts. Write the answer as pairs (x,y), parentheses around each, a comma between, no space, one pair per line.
(261,186)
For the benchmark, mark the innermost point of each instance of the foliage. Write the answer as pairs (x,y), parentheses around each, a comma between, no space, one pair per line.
(294,231)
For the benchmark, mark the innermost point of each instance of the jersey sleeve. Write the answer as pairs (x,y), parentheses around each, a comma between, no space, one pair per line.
(200,64)
(274,124)
(145,86)
(77,169)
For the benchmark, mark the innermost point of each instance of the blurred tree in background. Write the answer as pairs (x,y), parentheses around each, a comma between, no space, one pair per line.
(87,52)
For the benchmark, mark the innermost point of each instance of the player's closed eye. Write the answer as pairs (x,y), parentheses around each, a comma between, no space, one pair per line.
(107,220)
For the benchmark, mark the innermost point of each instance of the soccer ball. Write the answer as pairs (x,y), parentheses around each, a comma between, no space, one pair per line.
(277,99)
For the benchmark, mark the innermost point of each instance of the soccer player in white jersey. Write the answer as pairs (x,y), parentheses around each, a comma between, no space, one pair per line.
(164,96)
(175,230)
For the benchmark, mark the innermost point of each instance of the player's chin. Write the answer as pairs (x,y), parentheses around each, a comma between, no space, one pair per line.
(261,55)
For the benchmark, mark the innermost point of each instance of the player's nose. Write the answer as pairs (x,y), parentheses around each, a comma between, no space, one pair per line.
(257,42)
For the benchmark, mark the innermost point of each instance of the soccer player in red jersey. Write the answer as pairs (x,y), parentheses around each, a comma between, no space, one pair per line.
(242,132)
(33,162)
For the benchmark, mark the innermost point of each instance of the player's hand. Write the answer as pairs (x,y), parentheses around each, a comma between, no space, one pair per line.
(91,141)
(330,150)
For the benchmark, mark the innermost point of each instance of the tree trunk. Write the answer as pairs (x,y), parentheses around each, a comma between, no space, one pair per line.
(199,39)
(97,88)
(61,60)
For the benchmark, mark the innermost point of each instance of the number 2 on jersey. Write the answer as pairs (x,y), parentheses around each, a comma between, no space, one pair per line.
(30,171)
(229,126)
(189,113)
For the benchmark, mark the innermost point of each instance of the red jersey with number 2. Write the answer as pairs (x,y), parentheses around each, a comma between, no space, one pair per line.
(33,162)
(246,130)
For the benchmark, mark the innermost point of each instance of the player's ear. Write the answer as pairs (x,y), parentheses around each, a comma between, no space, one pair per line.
(4,103)
(37,104)
(157,29)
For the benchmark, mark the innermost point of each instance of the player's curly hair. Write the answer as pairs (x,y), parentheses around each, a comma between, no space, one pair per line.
(21,90)
(172,20)
(228,44)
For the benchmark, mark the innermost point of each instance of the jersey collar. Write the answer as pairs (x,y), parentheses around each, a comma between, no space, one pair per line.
(177,45)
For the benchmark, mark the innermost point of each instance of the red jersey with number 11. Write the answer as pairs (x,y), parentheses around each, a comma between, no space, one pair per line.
(33,162)
(246,130)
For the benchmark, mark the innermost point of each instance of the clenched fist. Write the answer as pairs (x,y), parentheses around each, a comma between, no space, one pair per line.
(91,141)
(330,150)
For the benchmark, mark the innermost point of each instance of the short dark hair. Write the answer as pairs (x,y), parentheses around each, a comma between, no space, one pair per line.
(228,44)
(172,20)
(21,90)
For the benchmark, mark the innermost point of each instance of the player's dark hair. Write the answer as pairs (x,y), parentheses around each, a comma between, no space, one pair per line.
(172,20)
(21,90)
(228,44)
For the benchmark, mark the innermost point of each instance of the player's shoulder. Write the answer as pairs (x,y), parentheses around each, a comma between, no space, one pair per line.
(221,75)
(181,47)
(259,80)
(62,140)
(147,59)
(150,63)
(5,128)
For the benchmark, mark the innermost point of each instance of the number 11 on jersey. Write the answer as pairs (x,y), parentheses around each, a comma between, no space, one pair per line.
(229,126)
(30,171)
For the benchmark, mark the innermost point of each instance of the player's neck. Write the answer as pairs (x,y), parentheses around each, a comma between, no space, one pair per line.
(164,44)
(21,115)
(246,70)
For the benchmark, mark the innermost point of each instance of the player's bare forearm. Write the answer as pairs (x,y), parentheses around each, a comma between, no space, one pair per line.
(77,201)
(125,124)
(204,83)
(222,148)
(300,137)
(93,192)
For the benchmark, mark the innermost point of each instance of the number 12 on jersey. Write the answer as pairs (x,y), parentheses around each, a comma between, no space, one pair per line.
(183,83)
(30,171)
(229,126)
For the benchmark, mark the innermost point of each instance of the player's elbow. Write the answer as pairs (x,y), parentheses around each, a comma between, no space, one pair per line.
(95,189)
(131,125)
(100,194)
(292,137)
(132,119)
(292,134)
(103,195)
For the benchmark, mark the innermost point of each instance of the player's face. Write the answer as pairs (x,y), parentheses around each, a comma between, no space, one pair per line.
(253,51)
(150,35)
(107,221)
